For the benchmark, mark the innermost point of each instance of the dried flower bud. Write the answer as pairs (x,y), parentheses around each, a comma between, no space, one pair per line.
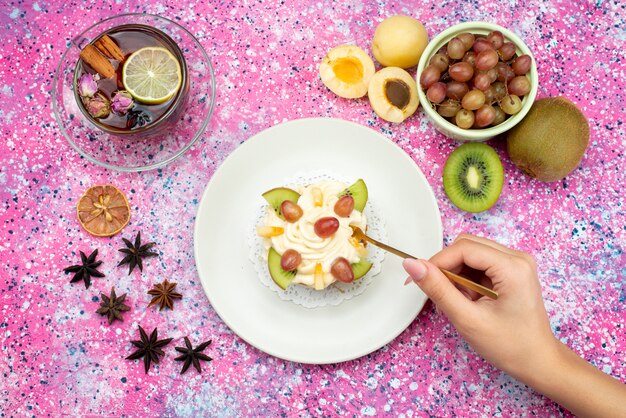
(87,85)
(98,106)
(122,102)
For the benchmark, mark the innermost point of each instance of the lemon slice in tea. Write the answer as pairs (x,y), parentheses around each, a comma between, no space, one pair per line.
(152,75)
(103,210)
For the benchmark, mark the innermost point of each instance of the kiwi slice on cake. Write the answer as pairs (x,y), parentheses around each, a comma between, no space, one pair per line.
(281,277)
(361,268)
(473,177)
(276,197)
(358,191)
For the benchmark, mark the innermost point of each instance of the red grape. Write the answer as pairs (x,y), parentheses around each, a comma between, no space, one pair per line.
(290,260)
(485,116)
(464,119)
(511,104)
(456,49)
(291,211)
(521,65)
(505,73)
(473,100)
(342,270)
(429,76)
(500,116)
(456,90)
(520,85)
(507,51)
(467,39)
(493,74)
(470,58)
(499,90)
(461,71)
(325,227)
(344,206)
(496,38)
(437,92)
(481,44)
(490,95)
(482,81)
(486,59)
(448,108)
(440,62)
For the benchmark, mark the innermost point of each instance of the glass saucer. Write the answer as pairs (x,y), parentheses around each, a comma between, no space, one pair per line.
(141,152)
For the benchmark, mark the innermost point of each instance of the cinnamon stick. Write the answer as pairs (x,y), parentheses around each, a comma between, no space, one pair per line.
(108,47)
(97,61)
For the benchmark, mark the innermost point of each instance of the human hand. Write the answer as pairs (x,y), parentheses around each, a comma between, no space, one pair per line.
(513,332)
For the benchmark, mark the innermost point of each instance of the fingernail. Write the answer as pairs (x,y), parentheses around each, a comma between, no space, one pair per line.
(408,280)
(416,268)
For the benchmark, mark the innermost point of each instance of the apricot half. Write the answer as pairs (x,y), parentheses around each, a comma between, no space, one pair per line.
(346,70)
(393,94)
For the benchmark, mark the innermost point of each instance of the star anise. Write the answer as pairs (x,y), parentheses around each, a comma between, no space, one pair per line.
(163,295)
(86,270)
(135,252)
(149,348)
(112,306)
(192,355)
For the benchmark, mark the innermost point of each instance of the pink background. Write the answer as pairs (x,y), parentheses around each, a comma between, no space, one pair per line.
(60,357)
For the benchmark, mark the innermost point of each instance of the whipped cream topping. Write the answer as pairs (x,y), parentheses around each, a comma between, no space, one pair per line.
(301,236)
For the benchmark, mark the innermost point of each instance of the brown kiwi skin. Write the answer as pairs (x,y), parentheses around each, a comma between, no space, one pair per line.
(547,146)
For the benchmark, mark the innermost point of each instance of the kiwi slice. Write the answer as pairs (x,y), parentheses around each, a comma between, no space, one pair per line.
(361,268)
(358,191)
(473,177)
(277,196)
(281,277)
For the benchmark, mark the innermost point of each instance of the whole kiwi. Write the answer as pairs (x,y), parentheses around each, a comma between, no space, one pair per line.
(550,141)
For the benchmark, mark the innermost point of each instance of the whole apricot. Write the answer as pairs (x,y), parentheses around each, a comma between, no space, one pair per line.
(399,41)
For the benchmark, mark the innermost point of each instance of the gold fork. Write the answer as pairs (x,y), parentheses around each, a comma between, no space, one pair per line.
(463,281)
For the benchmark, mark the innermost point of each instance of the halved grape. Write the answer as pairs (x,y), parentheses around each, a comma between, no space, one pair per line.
(344,206)
(342,270)
(325,227)
(290,260)
(291,211)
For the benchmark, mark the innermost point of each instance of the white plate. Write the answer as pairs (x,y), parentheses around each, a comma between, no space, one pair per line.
(283,329)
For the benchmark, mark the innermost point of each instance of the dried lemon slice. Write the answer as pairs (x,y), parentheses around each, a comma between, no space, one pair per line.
(103,210)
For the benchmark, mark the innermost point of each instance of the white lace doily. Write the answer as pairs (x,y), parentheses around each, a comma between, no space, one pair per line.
(337,292)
